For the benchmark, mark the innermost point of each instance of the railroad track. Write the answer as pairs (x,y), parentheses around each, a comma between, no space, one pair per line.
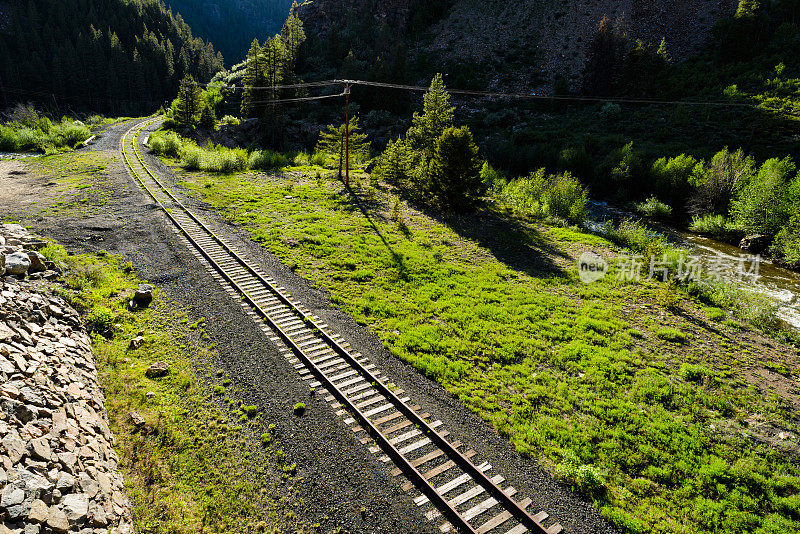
(451,487)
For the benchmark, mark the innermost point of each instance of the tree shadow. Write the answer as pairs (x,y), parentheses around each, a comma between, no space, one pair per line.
(515,244)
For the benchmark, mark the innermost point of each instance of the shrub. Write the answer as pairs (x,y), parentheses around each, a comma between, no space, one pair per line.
(166,144)
(524,195)
(250,411)
(299,408)
(492,179)
(716,226)
(455,179)
(654,208)
(671,335)
(717,183)
(585,478)
(627,172)
(673,177)
(760,206)
(267,159)
(636,237)
(69,134)
(101,317)
(566,198)
(229,120)
(787,242)
(191,157)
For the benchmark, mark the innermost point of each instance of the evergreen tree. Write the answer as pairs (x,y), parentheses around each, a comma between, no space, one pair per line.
(253,77)
(293,36)
(455,179)
(188,103)
(437,115)
(332,142)
(606,55)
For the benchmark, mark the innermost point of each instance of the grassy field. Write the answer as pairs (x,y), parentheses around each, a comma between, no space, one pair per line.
(667,413)
(196,465)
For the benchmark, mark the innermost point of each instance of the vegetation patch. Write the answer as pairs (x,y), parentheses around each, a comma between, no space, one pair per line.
(189,468)
(491,307)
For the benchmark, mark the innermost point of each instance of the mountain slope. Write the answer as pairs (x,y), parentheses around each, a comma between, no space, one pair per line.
(233,24)
(113,56)
(526,43)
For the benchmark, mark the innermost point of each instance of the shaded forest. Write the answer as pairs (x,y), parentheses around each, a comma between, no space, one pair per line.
(232,24)
(109,56)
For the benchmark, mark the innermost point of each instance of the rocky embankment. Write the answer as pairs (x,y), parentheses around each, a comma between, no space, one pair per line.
(58,469)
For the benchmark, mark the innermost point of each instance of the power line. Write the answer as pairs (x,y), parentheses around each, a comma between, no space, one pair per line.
(495,94)
(299,99)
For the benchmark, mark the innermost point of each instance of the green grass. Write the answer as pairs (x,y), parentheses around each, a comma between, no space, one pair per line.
(190,468)
(566,371)
(49,139)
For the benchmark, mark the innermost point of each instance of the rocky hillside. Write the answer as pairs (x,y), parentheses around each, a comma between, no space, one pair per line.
(531,42)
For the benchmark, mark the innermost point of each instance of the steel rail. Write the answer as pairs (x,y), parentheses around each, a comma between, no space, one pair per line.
(459,459)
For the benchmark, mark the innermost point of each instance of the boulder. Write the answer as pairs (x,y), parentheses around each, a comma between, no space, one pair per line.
(37,262)
(755,244)
(17,263)
(157,370)
(143,296)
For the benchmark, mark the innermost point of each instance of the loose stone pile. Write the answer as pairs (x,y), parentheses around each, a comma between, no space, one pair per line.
(58,470)
(19,256)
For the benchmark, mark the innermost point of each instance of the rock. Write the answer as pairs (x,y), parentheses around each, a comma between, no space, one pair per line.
(150,394)
(138,420)
(2,263)
(97,516)
(65,482)
(143,296)
(41,449)
(37,262)
(57,520)
(17,263)
(76,506)
(15,448)
(39,512)
(18,410)
(157,370)
(136,342)
(11,496)
(755,244)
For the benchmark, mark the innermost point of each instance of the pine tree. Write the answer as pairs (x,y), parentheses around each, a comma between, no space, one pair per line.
(437,115)
(188,103)
(274,54)
(332,142)
(606,55)
(455,180)
(293,36)
(253,77)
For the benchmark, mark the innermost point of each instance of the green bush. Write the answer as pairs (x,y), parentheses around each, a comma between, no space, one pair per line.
(566,198)
(229,120)
(101,317)
(787,242)
(492,179)
(166,144)
(396,162)
(637,237)
(762,205)
(191,157)
(69,134)
(717,226)
(672,178)
(654,208)
(671,335)
(267,160)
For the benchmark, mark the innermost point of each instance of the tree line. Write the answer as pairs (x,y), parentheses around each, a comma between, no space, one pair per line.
(109,56)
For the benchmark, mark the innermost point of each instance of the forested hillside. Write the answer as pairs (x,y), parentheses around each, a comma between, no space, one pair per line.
(232,24)
(113,56)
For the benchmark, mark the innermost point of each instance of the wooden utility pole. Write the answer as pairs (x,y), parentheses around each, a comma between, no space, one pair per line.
(347,136)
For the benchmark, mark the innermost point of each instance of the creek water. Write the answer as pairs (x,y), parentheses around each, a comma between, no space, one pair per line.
(782,285)
(12,155)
